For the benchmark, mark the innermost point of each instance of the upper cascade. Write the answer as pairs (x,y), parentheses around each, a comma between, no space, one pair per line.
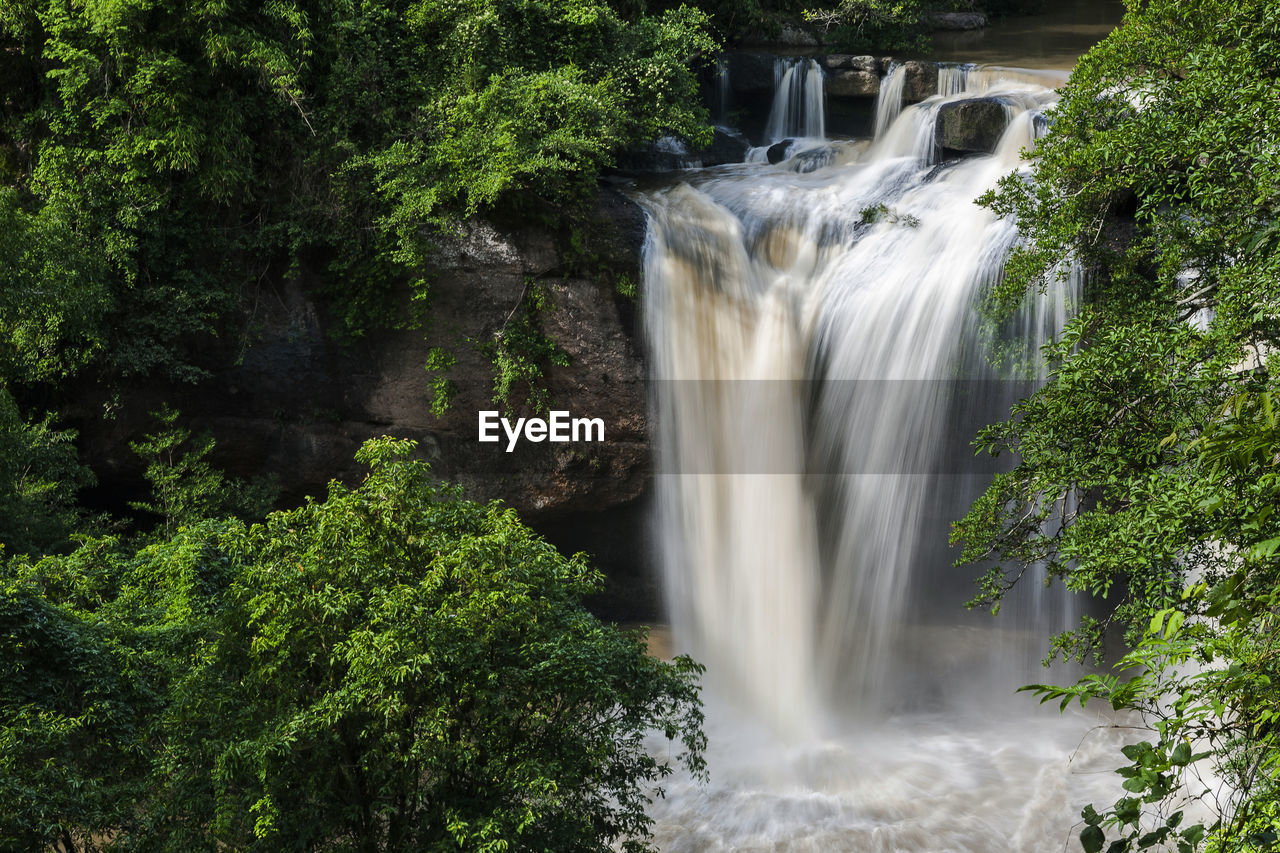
(1017,91)
(950,109)
(799,106)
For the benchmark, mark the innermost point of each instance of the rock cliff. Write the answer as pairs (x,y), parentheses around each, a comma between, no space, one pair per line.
(291,400)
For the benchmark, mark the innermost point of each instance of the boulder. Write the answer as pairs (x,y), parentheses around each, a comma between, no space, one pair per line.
(921,80)
(727,146)
(856,63)
(853,84)
(971,126)
(778,151)
(956,20)
(667,154)
(670,154)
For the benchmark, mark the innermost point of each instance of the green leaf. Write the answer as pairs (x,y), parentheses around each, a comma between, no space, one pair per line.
(1265,550)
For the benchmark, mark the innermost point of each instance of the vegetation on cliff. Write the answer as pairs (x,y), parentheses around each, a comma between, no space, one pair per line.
(164,168)
(159,164)
(1148,468)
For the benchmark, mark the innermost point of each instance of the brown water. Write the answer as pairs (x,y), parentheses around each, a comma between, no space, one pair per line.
(1055,39)
(851,708)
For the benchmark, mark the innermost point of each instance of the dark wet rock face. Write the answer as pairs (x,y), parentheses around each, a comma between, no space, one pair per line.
(669,155)
(778,151)
(664,155)
(751,73)
(727,146)
(294,402)
(921,80)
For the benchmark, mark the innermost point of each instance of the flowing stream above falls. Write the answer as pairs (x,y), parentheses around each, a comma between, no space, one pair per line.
(820,365)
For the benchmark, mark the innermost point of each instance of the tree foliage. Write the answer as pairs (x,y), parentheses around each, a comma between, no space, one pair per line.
(164,166)
(160,162)
(185,487)
(1146,466)
(39,478)
(873,24)
(392,668)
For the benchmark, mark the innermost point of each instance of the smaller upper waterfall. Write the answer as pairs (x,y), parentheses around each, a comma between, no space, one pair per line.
(889,101)
(952,79)
(798,101)
(722,90)
(1024,93)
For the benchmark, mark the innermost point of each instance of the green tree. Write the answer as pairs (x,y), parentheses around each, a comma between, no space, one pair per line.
(400,669)
(873,24)
(160,163)
(88,643)
(39,478)
(62,705)
(186,487)
(1146,465)
(393,668)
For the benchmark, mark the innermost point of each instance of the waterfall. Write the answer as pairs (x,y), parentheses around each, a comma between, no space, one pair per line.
(889,101)
(952,79)
(819,366)
(798,102)
(1026,86)
(723,89)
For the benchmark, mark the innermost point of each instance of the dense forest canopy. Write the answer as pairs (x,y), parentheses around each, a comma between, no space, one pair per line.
(392,668)
(158,159)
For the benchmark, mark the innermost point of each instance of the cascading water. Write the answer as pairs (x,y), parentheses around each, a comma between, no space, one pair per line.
(798,105)
(889,101)
(723,88)
(952,79)
(820,365)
